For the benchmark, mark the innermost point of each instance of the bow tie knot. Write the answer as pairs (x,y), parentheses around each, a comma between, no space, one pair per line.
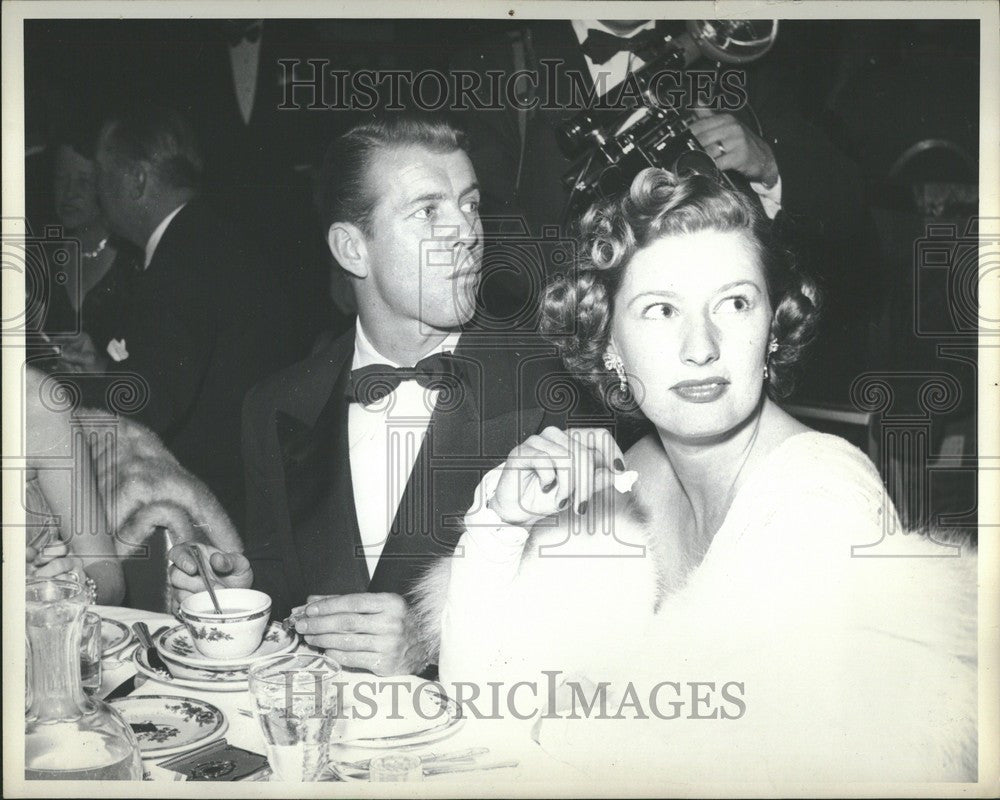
(600,46)
(369,385)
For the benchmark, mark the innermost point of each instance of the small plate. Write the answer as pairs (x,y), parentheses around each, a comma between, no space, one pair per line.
(451,721)
(115,636)
(207,680)
(166,725)
(176,644)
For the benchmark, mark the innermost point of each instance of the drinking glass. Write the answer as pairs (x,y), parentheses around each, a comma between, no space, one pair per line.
(90,653)
(296,700)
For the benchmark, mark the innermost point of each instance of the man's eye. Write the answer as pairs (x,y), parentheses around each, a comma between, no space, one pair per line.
(737,303)
(426,212)
(471,207)
(659,311)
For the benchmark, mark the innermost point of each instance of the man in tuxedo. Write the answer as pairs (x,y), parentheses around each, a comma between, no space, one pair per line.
(363,459)
(193,327)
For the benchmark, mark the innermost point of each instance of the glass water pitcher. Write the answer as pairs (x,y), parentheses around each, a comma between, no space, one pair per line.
(68,735)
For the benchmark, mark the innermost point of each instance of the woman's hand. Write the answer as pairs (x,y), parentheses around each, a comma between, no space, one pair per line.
(56,561)
(550,470)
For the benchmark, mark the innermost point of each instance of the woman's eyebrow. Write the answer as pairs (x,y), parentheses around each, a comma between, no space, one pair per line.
(652,293)
(742,282)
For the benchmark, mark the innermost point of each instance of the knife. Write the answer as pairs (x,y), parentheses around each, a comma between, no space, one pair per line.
(125,688)
(152,656)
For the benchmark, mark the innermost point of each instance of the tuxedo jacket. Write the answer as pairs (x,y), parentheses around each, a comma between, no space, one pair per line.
(194,324)
(301,532)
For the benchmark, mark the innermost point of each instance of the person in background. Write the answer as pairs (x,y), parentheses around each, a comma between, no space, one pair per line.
(801,180)
(197,329)
(96,285)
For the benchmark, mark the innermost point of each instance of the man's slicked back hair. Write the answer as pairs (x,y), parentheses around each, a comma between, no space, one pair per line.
(342,193)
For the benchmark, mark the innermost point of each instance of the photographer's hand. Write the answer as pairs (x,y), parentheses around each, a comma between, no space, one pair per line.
(734,146)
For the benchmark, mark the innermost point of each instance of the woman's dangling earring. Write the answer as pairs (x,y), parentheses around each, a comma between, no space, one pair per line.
(615,364)
(772,346)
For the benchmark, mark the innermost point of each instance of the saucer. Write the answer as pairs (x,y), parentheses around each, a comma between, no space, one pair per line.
(165,725)
(177,645)
(187,672)
(206,680)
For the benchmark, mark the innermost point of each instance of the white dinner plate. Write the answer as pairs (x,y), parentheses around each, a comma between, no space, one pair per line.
(177,645)
(167,725)
(207,680)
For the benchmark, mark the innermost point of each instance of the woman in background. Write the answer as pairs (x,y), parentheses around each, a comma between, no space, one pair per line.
(730,566)
(96,284)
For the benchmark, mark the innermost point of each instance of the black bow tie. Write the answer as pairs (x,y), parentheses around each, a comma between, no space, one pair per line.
(600,45)
(370,384)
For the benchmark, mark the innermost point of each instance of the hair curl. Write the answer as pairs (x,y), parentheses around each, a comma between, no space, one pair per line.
(659,204)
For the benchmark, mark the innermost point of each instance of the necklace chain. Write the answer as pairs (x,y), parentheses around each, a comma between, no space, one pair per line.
(101,246)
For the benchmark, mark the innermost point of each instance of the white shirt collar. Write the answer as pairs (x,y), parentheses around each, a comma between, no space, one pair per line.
(365,353)
(581,26)
(157,234)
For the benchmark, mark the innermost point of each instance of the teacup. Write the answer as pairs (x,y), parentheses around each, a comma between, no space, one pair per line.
(237,631)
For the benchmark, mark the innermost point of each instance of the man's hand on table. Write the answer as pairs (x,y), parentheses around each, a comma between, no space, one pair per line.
(367,631)
(232,570)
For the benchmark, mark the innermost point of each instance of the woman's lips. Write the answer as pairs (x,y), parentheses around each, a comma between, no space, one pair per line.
(704,391)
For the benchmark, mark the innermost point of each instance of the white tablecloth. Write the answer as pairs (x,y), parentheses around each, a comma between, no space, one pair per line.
(506,738)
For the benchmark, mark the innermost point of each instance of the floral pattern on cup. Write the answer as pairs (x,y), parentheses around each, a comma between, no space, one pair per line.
(209,635)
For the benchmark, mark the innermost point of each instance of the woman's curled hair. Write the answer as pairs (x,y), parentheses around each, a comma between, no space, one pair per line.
(577,307)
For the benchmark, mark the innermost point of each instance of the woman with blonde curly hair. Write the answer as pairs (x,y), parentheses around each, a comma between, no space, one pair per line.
(716,608)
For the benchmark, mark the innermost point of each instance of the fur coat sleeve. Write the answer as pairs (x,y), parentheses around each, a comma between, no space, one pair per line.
(147,493)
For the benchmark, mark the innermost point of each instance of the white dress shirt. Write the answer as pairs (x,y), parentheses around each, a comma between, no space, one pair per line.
(157,234)
(384,440)
(613,71)
(244,58)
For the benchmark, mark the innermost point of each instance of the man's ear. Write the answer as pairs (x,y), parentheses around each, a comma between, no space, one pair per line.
(347,243)
(138,175)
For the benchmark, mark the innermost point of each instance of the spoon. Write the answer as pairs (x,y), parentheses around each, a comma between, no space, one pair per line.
(205,571)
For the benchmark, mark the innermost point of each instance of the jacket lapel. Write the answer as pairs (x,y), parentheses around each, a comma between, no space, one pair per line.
(317,469)
(467,436)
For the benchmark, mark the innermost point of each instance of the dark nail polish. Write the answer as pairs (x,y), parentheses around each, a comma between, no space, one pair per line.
(563,502)
(619,465)
(582,508)
(550,486)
